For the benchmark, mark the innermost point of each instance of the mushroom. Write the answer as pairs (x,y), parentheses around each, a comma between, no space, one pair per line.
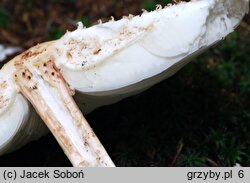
(103,64)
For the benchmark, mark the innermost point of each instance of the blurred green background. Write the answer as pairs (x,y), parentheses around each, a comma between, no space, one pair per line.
(198,117)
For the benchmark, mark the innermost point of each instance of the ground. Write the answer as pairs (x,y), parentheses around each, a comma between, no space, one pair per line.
(198,117)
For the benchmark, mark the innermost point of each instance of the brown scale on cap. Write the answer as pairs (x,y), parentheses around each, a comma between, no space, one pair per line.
(96,51)
(33,53)
(28,54)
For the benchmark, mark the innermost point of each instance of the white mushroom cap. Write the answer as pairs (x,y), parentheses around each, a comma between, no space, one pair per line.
(120,58)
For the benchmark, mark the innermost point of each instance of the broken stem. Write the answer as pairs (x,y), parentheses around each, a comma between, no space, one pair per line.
(45,88)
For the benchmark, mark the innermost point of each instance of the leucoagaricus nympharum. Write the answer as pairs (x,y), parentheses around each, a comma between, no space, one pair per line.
(103,64)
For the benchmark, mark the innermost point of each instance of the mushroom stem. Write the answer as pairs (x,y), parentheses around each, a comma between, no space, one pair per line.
(45,88)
